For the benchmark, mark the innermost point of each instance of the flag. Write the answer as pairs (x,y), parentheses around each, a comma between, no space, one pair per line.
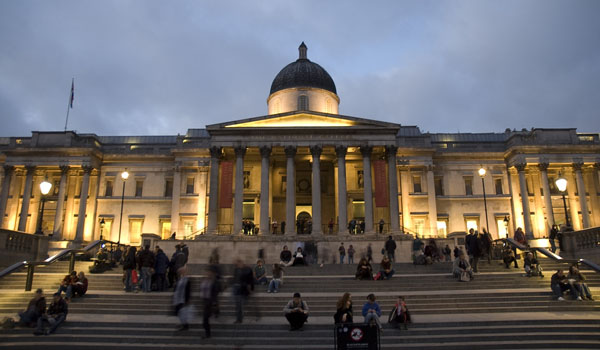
(72,93)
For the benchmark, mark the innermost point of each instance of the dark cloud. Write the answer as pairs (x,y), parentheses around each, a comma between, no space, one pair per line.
(150,67)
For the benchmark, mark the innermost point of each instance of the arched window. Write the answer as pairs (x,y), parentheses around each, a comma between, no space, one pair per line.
(303,103)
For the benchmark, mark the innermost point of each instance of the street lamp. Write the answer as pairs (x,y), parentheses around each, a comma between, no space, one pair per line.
(506,220)
(482,175)
(102,223)
(45,187)
(124,176)
(561,183)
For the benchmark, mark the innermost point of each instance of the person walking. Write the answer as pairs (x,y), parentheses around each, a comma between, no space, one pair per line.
(209,291)
(342,251)
(390,248)
(181,300)
(553,234)
(243,285)
(296,312)
(146,264)
(475,244)
(487,240)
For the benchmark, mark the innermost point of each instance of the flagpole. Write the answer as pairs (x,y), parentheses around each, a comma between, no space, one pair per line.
(70,102)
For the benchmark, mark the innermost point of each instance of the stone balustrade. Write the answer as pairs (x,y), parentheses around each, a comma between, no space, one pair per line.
(18,246)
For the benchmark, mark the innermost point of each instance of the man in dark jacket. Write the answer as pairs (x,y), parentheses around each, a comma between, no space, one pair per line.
(146,264)
(177,262)
(475,244)
(128,267)
(161,264)
(57,314)
(390,248)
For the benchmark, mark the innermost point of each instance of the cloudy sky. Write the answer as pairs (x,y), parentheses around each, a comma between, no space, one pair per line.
(161,67)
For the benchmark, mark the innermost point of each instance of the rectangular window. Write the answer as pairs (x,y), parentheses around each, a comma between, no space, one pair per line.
(417,184)
(439,185)
(248,211)
(165,229)
(498,186)
(139,186)
(552,184)
(472,223)
(419,225)
(169,188)
(189,188)
(468,185)
(109,188)
(135,230)
(188,227)
(358,209)
(56,187)
(442,228)
(502,228)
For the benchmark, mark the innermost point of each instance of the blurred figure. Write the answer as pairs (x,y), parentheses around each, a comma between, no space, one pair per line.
(181,300)
(461,268)
(578,281)
(552,238)
(35,309)
(508,256)
(209,290)
(298,257)
(117,255)
(371,311)
(385,268)
(56,314)
(486,244)
(351,252)
(447,253)
(390,246)
(532,266)
(177,262)
(342,251)
(67,285)
(243,286)
(344,309)
(296,312)
(146,264)
(364,271)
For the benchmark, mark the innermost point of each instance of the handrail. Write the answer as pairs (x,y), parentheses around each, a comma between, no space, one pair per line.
(31,264)
(552,255)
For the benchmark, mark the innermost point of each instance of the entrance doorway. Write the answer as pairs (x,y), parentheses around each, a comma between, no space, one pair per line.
(303,223)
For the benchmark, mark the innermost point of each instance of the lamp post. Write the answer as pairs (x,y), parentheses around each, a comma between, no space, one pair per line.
(561,183)
(482,175)
(45,187)
(102,223)
(506,220)
(124,176)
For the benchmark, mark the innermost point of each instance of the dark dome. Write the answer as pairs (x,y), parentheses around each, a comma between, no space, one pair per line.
(303,73)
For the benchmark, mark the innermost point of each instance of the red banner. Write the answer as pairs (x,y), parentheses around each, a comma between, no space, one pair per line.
(381,188)
(226,194)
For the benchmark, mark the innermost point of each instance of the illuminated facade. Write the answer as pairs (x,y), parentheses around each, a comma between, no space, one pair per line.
(341,168)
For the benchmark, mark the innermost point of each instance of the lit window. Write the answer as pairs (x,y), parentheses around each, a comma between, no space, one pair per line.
(419,225)
(135,230)
(417,184)
(165,229)
(442,228)
(188,227)
(468,185)
(472,224)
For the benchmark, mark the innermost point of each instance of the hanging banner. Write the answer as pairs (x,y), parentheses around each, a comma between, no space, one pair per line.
(381,190)
(226,194)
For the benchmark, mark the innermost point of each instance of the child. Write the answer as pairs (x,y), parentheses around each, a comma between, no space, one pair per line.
(371,311)
(400,315)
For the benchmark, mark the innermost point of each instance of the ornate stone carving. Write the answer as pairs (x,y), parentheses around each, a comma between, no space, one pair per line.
(521,166)
(30,168)
(240,151)
(290,151)
(64,169)
(265,151)
(391,150)
(8,169)
(316,150)
(366,150)
(87,169)
(597,166)
(341,151)
(577,166)
(543,166)
(215,152)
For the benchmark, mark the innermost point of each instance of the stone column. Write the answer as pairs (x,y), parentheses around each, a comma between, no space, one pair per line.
(290,192)
(316,189)
(547,195)
(572,205)
(524,199)
(213,202)
(585,215)
(8,175)
(175,198)
(85,189)
(26,198)
(265,153)
(238,199)
(368,188)
(405,184)
(431,201)
(60,202)
(390,152)
(340,152)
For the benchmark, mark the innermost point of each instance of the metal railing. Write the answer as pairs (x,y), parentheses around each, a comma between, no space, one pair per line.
(552,255)
(63,253)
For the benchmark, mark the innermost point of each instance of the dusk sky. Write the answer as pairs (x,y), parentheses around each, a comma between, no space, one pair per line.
(161,67)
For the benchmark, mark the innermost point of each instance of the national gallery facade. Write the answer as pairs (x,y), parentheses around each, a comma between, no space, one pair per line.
(301,169)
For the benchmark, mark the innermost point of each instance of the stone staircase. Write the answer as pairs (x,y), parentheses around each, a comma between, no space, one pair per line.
(499,309)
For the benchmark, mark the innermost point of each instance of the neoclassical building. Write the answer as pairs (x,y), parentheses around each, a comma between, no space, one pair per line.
(303,164)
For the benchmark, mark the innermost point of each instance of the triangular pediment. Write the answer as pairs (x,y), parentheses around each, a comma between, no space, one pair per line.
(303,120)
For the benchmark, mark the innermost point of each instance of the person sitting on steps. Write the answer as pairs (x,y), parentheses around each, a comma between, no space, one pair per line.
(67,285)
(276,280)
(578,281)
(399,316)
(299,257)
(285,257)
(35,309)
(386,271)
(461,266)
(560,284)
(296,312)
(81,286)
(260,273)
(371,311)
(508,256)
(56,314)
(532,266)
(364,271)
(344,310)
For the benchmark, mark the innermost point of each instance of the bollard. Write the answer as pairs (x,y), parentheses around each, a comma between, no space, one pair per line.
(72,262)
(29,280)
